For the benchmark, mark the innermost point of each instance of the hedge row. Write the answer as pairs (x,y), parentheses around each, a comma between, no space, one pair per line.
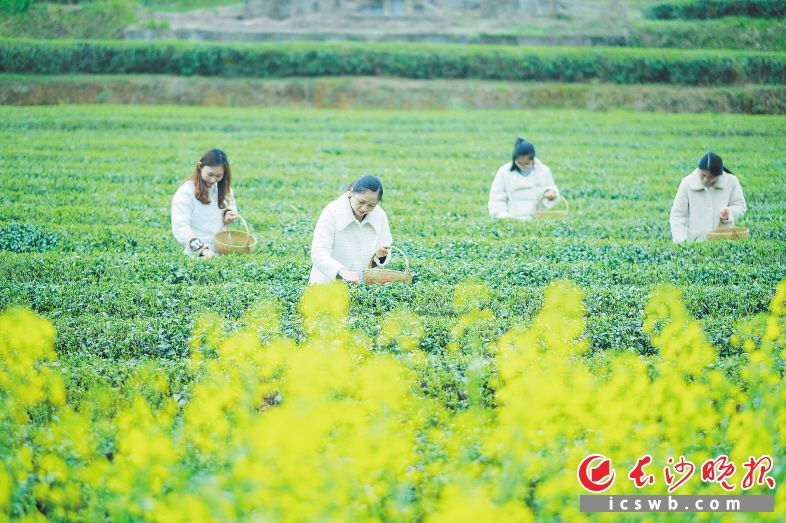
(398,60)
(752,34)
(704,9)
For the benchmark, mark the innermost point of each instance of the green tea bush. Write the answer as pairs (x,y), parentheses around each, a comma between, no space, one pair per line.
(26,237)
(614,65)
(93,19)
(704,9)
(13,7)
(723,33)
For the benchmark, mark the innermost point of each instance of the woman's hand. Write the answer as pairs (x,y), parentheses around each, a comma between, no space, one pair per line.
(348,276)
(206,253)
(551,194)
(383,252)
(725,215)
(229,217)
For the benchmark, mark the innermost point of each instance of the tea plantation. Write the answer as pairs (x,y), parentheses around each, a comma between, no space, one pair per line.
(174,389)
(86,242)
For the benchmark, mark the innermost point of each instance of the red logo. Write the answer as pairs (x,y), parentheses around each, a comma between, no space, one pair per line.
(637,474)
(593,478)
(764,465)
(717,470)
(596,474)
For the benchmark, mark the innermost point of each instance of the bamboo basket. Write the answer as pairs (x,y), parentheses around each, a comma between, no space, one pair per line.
(233,241)
(388,275)
(541,212)
(729,233)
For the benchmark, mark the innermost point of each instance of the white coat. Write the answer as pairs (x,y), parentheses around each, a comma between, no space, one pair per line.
(696,209)
(342,242)
(194,219)
(514,195)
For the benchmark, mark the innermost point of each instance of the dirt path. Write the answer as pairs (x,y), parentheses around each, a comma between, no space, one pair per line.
(388,93)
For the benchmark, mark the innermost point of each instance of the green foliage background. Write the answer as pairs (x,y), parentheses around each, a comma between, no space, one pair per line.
(708,9)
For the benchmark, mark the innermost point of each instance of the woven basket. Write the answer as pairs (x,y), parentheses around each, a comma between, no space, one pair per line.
(230,241)
(541,212)
(388,275)
(729,233)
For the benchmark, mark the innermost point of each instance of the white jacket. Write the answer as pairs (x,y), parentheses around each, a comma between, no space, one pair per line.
(696,209)
(194,219)
(514,195)
(342,242)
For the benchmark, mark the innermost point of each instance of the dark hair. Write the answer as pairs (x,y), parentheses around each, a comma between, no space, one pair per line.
(713,163)
(521,148)
(368,183)
(212,158)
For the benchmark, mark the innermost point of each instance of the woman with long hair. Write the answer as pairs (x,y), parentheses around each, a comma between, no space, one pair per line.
(204,205)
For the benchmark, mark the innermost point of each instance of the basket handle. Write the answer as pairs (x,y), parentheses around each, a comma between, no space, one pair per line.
(406,258)
(243,222)
(538,205)
(721,223)
(730,221)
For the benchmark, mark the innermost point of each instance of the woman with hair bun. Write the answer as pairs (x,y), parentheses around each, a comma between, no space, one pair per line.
(351,230)
(708,197)
(520,184)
